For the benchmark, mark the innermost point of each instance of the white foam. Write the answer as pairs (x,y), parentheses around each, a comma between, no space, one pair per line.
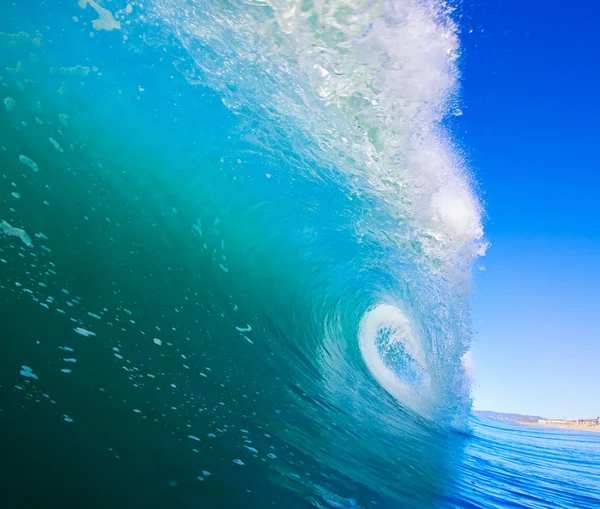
(9,103)
(84,332)
(14,38)
(27,372)
(11,231)
(77,70)
(401,338)
(55,144)
(468,364)
(105,21)
(197,226)
(29,162)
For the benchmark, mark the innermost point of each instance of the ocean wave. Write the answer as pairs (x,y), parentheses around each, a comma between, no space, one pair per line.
(267,253)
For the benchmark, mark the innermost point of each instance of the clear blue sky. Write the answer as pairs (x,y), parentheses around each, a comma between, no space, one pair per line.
(531,128)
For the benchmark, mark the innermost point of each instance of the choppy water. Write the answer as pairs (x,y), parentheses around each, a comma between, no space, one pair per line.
(235,258)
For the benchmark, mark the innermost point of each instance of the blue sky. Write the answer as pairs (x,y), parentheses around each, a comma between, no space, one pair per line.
(531,128)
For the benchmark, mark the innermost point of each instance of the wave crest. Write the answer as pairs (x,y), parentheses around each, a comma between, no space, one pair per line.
(368,84)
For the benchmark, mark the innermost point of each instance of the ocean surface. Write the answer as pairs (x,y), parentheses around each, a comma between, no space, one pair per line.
(237,244)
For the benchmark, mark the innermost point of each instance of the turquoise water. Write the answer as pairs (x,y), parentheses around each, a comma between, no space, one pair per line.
(236,251)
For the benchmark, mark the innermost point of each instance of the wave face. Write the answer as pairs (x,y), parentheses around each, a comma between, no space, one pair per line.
(351,95)
(237,247)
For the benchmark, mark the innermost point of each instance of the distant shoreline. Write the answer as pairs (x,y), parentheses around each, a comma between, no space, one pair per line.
(535,420)
(563,425)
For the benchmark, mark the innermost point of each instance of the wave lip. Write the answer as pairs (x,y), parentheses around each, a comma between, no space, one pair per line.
(362,87)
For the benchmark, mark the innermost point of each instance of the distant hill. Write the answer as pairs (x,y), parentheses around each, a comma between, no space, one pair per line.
(499,415)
